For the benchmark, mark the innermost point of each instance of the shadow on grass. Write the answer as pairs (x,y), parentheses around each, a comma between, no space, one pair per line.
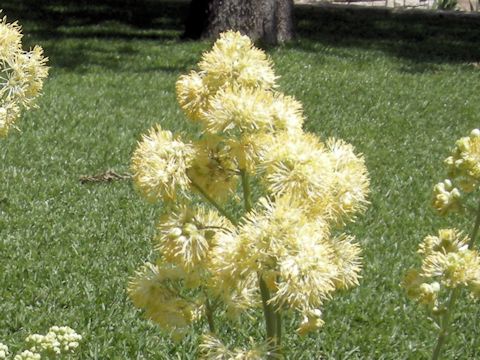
(69,29)
(53,17)
(420,36)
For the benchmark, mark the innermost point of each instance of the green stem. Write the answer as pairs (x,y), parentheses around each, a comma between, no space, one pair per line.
(247,194)
(216,205)
(273,319)
(278,322)
(445,320)
(445,323)
(269,314)
(209,313)
(475,229)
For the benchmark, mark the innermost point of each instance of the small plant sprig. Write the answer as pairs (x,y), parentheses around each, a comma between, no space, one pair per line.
(21,75)
(450,262)
(276,199)
(60,340)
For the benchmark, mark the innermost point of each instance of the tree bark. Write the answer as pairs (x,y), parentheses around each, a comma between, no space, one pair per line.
(269,21)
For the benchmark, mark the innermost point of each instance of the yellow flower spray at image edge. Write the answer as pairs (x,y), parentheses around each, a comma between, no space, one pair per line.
(21,75)
(449,261)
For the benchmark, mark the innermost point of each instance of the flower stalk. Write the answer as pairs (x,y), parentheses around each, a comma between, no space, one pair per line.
(215,204)
(445,323)
(476,227)
(247,196)
(270,319)
(209,312)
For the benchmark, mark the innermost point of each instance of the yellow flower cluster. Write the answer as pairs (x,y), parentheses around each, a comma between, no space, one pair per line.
(21,75)
(300,262)
(464,174)
(159,165)
(155,289)
(187,236)
(447,263)
(298,192)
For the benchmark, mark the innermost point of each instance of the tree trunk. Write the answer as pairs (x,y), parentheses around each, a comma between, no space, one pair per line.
(197,19)
(270,21)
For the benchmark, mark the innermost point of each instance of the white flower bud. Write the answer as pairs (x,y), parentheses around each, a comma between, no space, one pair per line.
(475,133)
(190,229)
(174,233)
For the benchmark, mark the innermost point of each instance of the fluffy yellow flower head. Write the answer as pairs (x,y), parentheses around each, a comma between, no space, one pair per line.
(238,254)
(187,235)
(347,259)
(31,71)
(151,290)
(21,75)
(160,163)
(474,286)
(287,113)
(447,241)
(9,113)
(306,273)
(213,168)
(239,109)
(350,180)
(448,261)
(212,348)
(298,166)
(464,164)
(454,268)
(268,233)
(234,60)
(235,285)
(10,37)
(193,95)
(245,151)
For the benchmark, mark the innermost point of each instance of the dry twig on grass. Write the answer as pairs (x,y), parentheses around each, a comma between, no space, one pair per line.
(107,176)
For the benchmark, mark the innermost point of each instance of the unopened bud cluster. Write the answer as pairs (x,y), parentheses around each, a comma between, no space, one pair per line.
(60,340)
(446,197)
(463,168)
(3,351)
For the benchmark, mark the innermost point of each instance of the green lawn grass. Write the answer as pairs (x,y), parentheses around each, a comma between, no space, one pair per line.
(401,95)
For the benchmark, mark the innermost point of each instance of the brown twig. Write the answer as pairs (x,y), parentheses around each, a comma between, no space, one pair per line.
(107,176)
